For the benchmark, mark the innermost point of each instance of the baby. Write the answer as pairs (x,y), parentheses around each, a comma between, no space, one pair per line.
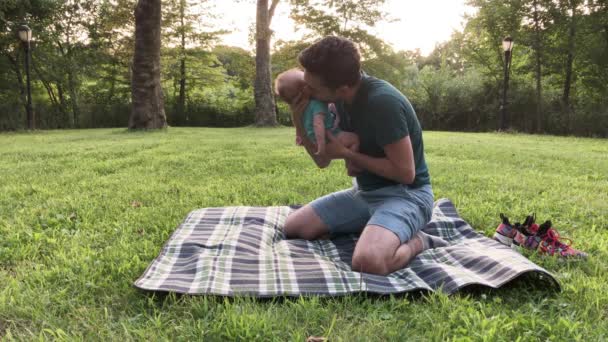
(316,117)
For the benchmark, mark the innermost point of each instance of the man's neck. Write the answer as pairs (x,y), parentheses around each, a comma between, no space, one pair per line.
(351,93)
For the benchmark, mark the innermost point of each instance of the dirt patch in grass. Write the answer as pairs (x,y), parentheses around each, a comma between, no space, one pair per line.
(3,327)
(9,270)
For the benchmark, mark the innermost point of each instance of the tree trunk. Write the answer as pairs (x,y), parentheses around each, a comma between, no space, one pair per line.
(569,66)
(62,100)
(67,55)
(73,98)
(56,99)
(19,76)
(265,112)
(538,68)
(47,85)
(181,103)
(113,76)
(148,111)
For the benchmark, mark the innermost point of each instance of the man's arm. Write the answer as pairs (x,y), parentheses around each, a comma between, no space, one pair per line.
(398,165)
(320,159)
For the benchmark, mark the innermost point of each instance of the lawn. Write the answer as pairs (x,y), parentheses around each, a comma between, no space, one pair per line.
(82,213)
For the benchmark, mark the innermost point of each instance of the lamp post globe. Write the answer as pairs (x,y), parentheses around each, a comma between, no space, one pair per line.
(507,44)
(25,33)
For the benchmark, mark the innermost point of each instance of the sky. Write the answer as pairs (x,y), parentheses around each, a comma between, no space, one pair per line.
(420,24)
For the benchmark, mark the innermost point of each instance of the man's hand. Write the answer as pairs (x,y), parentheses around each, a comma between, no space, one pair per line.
(351,141)
(334,148)
(351,169)
(299,141)
(398,165)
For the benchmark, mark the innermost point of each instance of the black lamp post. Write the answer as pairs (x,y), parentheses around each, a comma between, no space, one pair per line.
(507,46)
(25,34)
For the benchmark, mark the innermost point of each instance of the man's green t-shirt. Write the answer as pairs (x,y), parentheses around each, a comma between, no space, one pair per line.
(381,115)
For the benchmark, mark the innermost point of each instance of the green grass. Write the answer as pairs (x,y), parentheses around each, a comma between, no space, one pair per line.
(82,213)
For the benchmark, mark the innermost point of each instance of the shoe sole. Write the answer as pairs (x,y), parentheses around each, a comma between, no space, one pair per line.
(520,249)
(507,241)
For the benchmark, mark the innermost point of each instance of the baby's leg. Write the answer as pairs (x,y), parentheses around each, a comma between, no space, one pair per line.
(318,125)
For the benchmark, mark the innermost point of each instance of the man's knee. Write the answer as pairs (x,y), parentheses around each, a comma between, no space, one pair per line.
(304,224)
(368,261)
(292,227)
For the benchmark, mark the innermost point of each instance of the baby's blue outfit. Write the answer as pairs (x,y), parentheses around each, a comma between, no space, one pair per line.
(314,107)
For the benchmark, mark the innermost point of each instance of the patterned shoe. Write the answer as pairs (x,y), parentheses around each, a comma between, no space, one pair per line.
(552,244)
(530,225)
(505,231)
(526,236)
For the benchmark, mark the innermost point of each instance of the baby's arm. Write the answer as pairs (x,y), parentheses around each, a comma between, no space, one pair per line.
(318,124)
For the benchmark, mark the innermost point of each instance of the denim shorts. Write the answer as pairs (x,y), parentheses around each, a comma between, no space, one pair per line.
(398,208)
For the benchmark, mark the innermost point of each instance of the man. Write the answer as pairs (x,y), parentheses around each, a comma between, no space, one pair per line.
(392,199)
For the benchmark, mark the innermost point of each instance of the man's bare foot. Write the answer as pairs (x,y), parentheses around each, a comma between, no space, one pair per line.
(417,244)
(426,241)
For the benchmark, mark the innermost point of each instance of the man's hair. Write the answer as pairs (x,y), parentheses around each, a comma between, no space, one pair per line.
(336,60)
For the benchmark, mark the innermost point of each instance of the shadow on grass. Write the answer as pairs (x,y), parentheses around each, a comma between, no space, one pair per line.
(527,284)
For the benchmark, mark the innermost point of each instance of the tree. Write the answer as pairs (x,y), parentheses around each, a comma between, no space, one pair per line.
(538,18)
(239,63)
(284,53)
(348,18)
(13,14)
(494,20)
(68,34)
(593,51)
(265,107)
(111,36)
(181,26)
(337,17)
(572,7)
(148,109)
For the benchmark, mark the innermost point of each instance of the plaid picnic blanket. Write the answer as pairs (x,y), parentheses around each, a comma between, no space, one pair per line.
(242,251)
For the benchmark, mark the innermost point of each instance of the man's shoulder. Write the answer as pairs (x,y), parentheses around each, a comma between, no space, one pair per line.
(381,90)
(384,97)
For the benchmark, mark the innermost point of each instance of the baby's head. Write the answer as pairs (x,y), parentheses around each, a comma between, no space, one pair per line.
(289,84)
